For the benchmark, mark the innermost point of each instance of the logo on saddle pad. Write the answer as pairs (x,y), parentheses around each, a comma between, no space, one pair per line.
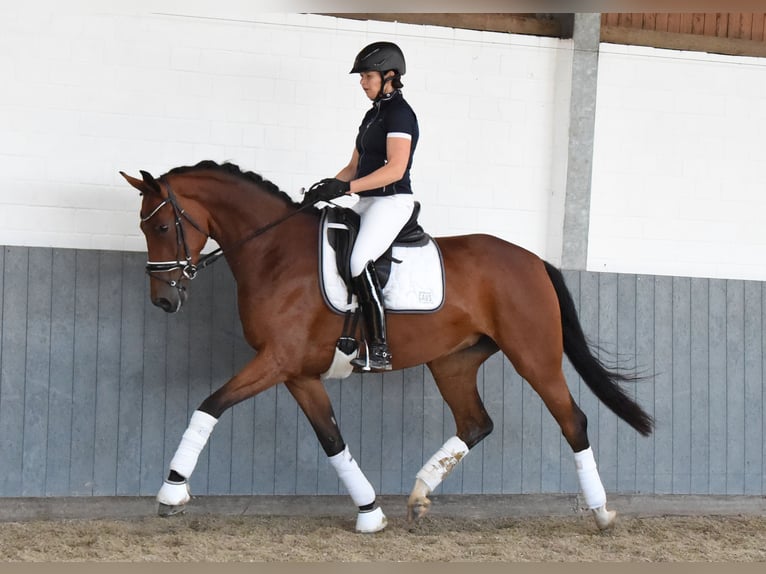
(411,272)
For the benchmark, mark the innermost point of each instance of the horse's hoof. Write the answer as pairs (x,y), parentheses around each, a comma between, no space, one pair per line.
(604,518)
(418,509)
(371,521)
(172,498)
(165,510)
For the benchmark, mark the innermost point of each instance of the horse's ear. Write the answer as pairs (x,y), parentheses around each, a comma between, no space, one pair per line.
(146,185)
(150,181)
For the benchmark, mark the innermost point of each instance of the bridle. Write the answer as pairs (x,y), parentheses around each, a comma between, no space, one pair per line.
(188,269)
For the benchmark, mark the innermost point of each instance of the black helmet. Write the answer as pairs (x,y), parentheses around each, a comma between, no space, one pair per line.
(380,57)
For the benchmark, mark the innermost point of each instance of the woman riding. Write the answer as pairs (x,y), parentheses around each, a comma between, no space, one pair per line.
(379,172)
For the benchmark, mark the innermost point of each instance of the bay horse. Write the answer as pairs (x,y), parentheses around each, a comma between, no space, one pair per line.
(498,297)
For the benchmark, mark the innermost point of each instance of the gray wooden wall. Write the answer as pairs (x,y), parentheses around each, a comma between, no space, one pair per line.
(96,387)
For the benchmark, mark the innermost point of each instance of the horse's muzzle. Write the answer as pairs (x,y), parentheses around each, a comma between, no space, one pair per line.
(165,305)
(171,304)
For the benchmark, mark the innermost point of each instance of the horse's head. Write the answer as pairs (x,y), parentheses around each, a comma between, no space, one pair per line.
(174,240)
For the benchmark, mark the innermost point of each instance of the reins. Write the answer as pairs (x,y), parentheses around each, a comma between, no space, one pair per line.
(189,269)
(214,255)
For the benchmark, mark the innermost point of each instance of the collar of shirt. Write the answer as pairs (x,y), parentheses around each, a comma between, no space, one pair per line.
(387,97)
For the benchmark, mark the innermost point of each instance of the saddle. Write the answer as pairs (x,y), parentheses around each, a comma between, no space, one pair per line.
(416,284)
(410,272)
(343,229)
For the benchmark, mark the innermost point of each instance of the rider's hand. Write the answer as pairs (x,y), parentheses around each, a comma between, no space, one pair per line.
(326,189)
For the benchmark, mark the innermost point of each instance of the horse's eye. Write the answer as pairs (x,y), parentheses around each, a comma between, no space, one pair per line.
(162,228)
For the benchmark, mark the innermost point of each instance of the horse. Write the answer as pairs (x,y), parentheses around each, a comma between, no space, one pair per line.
(498,297)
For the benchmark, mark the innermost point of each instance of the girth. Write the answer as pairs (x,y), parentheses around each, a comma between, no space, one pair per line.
(343,228)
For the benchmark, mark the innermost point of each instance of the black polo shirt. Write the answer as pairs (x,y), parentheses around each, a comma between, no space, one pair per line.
(389,115)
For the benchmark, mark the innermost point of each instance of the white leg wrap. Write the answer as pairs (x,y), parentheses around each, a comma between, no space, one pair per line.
(442,462)
(193,441)
(590,481)
(352,477)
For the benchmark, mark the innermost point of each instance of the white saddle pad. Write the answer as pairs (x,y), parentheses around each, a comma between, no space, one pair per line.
(416,285)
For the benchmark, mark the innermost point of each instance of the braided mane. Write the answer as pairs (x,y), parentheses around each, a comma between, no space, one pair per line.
(236,171)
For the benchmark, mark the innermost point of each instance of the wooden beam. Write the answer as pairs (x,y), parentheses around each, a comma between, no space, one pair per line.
(692,42)
(698,23)
(722,25)
(674,22)
(650,21)
(711,21)
(552,25)
(661,22)
(758,28)
(687,23)
(746,26)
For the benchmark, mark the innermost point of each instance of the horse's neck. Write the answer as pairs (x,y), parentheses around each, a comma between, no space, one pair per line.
(240,211)
(240,220)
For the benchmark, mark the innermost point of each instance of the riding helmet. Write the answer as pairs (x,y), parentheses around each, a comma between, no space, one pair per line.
(380,57)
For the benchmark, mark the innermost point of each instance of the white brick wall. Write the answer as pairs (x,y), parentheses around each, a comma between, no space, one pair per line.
(679,182)
(89,89)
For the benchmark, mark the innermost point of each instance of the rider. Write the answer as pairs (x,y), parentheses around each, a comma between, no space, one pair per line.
(379,172)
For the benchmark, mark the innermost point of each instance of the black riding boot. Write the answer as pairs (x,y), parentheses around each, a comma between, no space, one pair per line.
(368,293)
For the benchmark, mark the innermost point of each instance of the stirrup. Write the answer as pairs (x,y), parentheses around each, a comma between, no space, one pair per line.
(376,359)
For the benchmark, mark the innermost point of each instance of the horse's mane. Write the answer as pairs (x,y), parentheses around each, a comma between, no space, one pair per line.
(236,171)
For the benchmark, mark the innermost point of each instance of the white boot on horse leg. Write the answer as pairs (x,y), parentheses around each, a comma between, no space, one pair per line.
(174,495)
(592,489)
(432,474)
(370,518)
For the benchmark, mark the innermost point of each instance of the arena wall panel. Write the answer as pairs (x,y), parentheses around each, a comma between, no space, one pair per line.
(97,386)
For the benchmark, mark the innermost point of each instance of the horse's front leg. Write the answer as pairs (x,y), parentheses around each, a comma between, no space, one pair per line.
(312,397)
(257,376)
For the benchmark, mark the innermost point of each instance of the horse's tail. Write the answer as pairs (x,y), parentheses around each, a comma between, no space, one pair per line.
(600,380)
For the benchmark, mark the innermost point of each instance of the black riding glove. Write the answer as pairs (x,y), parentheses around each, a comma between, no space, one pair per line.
(325,190)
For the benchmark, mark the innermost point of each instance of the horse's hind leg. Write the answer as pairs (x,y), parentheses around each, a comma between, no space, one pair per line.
(530,334)
(311,396)
(455,376)
(544,374)
(574,426)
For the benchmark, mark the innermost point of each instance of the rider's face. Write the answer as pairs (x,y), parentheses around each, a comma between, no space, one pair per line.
(370,82)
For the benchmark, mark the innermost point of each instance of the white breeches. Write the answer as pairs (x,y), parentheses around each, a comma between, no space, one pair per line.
(382,218)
